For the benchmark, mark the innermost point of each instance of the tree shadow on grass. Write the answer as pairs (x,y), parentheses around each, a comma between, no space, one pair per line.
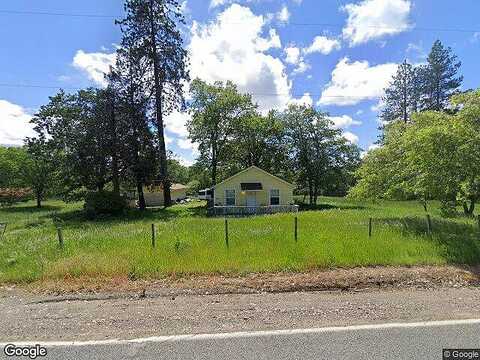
(28,209)
(461,241)
(321,207)
(78,218)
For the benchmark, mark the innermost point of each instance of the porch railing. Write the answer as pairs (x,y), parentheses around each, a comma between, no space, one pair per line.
(251,210)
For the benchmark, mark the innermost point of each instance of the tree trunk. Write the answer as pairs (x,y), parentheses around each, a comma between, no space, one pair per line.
(159,116)
(310,190)
(468,210)
(141,196)
(424,203)
(214,167)
(113,133)
(39,200)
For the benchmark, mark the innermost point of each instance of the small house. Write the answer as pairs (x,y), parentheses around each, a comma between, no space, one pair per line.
(154,194)
(253,191)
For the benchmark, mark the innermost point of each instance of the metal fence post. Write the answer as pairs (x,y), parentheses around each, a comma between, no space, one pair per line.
(153,235)
(60,237)
(226,232)
(296,228)
(370,227)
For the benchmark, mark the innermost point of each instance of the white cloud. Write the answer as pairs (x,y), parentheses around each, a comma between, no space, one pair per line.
(232,48)
(359,112)
(283,15)
(306,99)
(293,55)
(185,162)
(343,122)
(215,3)
(176,123)
(95,65)
(351,137)
(14,124)
(302,67)
(374,19)
(186,144)
(264,44)
(353,82)
(323,45)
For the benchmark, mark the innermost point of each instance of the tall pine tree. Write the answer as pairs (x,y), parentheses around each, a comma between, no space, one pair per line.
(439,77)
(401,96)
(152,25)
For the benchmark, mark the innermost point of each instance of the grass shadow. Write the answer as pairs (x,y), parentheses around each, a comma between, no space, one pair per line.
(29,209)
(322,207)
(77,218)
(460,241)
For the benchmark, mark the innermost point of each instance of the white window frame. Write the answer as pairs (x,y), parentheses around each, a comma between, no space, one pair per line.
(229,197)
(271,196)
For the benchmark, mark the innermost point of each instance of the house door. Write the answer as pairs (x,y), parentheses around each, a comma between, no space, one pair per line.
(251,202)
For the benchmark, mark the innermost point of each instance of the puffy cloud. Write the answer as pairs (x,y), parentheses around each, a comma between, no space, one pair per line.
(176,123)
(95,65)
(374,19)
(343,122)
(186,144)
(232,48)
(14,124)
(302,67)
(353,82)
(293,55)
(215,3)
(323,45)
(283,15)
(264,44)
(351,137)
(306,99)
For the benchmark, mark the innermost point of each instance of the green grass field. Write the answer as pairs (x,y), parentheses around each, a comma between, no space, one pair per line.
(334,234)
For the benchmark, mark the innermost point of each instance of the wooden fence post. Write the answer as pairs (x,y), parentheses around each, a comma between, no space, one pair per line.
(226,232)
(153,235)
(60,237)
(3,229)
(370,225)
(296,228)
(429,224)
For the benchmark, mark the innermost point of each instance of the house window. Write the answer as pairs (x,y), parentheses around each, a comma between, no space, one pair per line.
(230,197)
(274,197)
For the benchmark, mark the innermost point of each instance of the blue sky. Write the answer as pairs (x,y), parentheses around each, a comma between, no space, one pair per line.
(336,55)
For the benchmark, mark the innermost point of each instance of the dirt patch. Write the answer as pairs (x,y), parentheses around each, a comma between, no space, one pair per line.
(328,280)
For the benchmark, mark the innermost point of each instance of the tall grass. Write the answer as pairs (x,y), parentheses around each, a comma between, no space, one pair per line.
(333,235)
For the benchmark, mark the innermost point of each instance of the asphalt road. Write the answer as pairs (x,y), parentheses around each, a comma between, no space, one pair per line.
(379,341)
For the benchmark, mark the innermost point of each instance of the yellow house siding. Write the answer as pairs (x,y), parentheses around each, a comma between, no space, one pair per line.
(254,175)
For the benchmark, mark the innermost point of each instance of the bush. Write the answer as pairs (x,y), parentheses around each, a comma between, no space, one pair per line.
(8,197)
(448,209)
(104,203)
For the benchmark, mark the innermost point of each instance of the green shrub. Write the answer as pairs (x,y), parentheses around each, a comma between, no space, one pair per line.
(104,203)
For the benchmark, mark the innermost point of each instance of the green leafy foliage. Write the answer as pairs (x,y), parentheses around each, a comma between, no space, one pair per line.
(104,203)
(436,156)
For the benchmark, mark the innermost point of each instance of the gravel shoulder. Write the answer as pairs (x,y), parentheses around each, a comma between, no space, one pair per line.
(118,309)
